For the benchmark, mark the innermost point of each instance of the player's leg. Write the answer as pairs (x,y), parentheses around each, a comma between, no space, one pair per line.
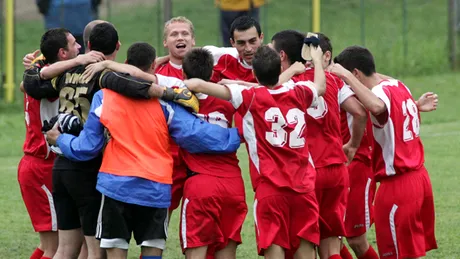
(233,213)
(83,251)
(274,252)
(398,220)
(200,216)
(359,215)
(306,250)
(150,229)
(35,182)
(272,208)
(332,192)
(113,231)
(229,252)
(70,233)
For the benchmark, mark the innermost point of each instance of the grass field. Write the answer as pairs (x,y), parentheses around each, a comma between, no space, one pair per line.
(421,72)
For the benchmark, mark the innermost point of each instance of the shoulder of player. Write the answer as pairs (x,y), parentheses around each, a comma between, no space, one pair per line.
(219,52)
(169,81)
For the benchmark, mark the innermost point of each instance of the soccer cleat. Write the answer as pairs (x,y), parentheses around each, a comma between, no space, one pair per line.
(67,123)
(311,39)
(182,96)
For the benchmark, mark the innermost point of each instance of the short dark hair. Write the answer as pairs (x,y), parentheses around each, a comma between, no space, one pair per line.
(325,43)
(244,23)
(141,55)
(198,63)
(267,66)
(357,57)
(291,42)
(104,38)
(51,41)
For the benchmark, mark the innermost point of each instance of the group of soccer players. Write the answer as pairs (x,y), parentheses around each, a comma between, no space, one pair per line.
(319,135)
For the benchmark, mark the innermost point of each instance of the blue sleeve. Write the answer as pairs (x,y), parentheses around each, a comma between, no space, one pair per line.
(90,142)
(197,136)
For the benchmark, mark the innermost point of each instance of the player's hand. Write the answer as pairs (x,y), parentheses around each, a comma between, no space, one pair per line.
(338,70)
(349,151)
(160,61)
(182,96)
(93,69)
(297,68)
(29,58)
(427,102)
(53,134)
(90,57)
(316,55)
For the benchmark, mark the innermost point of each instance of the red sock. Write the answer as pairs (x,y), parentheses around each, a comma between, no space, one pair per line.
(335,257)
(44,257)
(370,254)
(37,254)
(344,253)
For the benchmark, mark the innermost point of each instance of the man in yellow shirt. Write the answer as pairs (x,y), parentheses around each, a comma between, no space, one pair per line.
(232,9)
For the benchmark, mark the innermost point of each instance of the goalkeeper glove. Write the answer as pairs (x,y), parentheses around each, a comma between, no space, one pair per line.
(182,96)
(67,123)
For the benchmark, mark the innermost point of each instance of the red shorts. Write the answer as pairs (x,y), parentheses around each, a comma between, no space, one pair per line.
(359,215)
(213,212)
(35,179)
(331,187)
(179,176)
(404,216)
(283,217)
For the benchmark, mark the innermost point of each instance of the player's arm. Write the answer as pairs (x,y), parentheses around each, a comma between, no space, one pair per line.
(60,67)
(237,82)
(95,68)
(370,101)
(320,76)
(90,142)
(200,86)
(37,88)
(352,106)
(294,69)
(196,135)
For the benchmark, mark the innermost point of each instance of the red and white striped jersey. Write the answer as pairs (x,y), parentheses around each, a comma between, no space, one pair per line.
(170,69)
(220,112)
(171,82)
(37,111)
(324,129)
(274,128)
(364,152)
(229,65)
(398,147)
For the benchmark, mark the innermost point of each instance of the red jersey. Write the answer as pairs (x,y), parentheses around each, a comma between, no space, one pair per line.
(364,152)
(170,69)
(324,134)
(170,75)
(36,111)
(220,112)
(274,127)
(229,65)
(398,148)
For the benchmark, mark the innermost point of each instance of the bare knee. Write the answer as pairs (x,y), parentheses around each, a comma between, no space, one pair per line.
(358,244)
(49,243)
(196,252)
(229,252)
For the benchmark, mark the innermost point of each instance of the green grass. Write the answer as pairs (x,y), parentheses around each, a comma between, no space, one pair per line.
(440,133)
(340,20)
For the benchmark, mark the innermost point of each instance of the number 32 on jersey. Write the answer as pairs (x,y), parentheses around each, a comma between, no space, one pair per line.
(278,136)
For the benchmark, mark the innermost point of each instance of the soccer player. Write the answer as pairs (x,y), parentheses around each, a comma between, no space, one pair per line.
(179,38)
(274,126)
(76,199)
(214,204)
(137,188)
(404,207)
(324,138)
(35,168)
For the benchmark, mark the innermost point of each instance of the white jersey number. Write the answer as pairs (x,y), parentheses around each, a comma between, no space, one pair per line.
(319,111)
(410,112)
(278,136)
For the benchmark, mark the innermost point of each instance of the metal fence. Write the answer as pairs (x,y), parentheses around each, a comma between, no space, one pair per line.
(407,37)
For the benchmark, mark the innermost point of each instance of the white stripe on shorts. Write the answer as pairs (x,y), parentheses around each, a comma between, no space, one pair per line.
(52,209)
(184,223)
(393,228)
(99,219)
